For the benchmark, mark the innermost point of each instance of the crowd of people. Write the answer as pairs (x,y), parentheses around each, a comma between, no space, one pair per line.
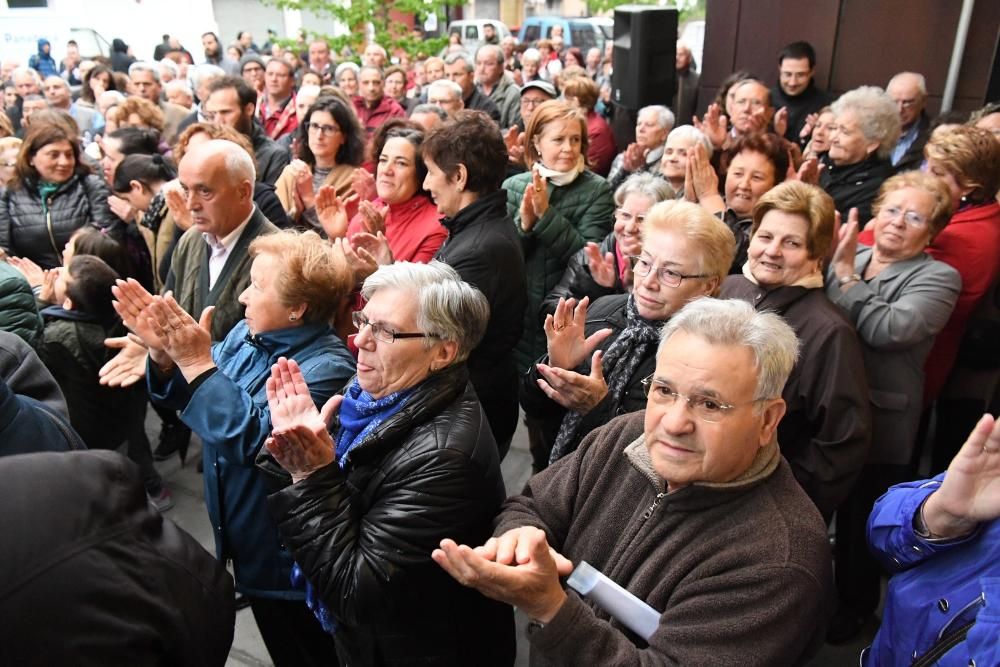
(747,330)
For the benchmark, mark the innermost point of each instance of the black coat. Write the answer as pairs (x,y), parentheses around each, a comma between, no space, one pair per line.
(364,535)
(271,158)
(827,424)
(811,100)
(854,185)
(485,250)
(26,231)
(576,281)
(605,313)
(92,575)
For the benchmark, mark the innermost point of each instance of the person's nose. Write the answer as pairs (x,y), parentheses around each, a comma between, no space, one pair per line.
(677,418)
(364,338)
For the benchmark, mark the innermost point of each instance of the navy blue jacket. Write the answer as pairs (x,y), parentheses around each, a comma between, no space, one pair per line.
(229,412)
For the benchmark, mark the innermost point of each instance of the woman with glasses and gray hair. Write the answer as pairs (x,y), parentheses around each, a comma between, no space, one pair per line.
(407,461)
(898,298)
(599,270)
(826,429)
(598,354)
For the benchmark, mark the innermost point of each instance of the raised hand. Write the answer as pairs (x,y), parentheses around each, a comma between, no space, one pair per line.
(634,158)
(809,171)
(703,180)
(177,204)
(847,247)
(31,271)
(602,269)
(304,194)
(715,125)
(331,211)
(535,202)
(121,208)
(970,492)
(372,217)
(514,141)
(573,390)
(568,347)
(189,343)
(131,303)
(47,293)
(363,184)
(807,127)
(375,246)
(781,121)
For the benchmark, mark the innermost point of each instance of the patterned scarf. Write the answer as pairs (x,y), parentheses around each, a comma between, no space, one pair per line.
(155,212)
(360,414)
(635,343)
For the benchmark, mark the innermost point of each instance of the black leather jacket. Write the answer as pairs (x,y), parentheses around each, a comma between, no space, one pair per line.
(27,230)
(363,535)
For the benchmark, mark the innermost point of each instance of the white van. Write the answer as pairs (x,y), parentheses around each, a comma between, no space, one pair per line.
(471,32)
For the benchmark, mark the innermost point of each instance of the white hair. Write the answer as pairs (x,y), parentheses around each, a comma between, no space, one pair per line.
(918,78)
(143,66)
(664,116)
(170,65)
(239,164)
(447,307)
(734,322)
(694,134)
(179,84)
(204,71)
(21,71)
(877,115)
(532,54)
(446,84)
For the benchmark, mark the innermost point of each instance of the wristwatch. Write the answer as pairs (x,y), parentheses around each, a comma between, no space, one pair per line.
(853,278)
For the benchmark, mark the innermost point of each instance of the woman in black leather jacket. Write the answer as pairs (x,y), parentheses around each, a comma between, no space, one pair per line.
(409,462)
(54,194)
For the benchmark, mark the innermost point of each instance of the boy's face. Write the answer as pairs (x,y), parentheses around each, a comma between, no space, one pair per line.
(61,287)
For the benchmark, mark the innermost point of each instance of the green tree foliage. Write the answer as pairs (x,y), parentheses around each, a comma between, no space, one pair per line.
(358,14)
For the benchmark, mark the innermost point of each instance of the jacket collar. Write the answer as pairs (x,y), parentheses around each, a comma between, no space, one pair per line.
(763,466)
(485,208)
(891,271)
(282,341)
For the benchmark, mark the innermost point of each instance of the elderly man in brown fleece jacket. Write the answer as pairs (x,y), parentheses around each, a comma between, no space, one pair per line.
(688,505)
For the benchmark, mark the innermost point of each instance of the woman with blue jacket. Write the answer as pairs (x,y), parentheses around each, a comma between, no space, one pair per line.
(296,284)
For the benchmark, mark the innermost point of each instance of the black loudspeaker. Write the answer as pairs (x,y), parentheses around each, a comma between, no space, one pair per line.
(644,56)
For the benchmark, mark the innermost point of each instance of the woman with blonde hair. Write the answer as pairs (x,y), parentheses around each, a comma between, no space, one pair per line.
(599,354)
(297,282)
(825,431)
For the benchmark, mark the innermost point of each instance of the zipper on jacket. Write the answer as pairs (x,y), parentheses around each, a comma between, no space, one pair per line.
(48,226)
(656,501)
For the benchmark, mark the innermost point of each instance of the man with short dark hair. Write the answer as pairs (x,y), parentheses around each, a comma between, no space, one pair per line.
(214,55)
(459,69)
(374,107)
(796,91)
(59,96)
(688,505)
(909,91)
(231,101)
(277,104)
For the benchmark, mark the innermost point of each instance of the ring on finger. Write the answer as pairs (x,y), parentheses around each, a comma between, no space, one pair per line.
(987,450)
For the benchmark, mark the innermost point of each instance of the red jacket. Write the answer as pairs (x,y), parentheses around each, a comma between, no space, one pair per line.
(971,244)
(601,150)
(278,122)
(413,229)
(371,119)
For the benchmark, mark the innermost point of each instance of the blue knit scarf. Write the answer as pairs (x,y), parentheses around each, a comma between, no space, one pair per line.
(360,414)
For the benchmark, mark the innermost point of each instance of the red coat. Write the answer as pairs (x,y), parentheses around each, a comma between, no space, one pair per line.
(371,119)
(413,229)
(971,244)
(602,150)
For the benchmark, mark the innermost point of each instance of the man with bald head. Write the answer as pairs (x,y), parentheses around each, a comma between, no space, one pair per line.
(211,265)
(909,91)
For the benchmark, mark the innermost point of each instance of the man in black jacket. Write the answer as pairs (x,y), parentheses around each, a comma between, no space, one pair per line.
(92,575)
(909,91)
(231,101)
(796,90)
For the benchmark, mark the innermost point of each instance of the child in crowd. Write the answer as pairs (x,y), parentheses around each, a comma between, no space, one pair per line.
(73,349)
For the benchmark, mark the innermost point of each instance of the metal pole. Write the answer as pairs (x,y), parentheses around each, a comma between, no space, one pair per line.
(956,55)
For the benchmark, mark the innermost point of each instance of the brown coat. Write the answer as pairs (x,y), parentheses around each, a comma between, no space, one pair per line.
(741,571)
(339,177)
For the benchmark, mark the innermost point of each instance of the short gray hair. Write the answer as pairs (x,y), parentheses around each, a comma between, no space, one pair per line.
(645,184)
(21,71)
(179,84)
(693,134)
(170,65)
(497,52)
(918,78)
(199,73)
(431,109)
(447,307)
(451,86)
(664,116)
(532,54)
(735,322)
(238,163)
(343,67)
(143,66)
(877,116)
(464,57)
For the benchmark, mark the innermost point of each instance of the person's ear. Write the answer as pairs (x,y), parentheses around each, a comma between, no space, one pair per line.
(444,355)
(871,147)
(136,187)
(461,177)
(249,110)
(771,414)
(67,304)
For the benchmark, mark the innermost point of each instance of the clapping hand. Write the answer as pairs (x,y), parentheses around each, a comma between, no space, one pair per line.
(177,204)
(634,158)
(514,141)
(780,121)
(602,268)
(847,247)
(186,341)
(519,568)
(305,197)
(299,441)
(701,181)
(331,211)
(373,218)
(572,390)
(535,202)
(564,331)
(31,271)
(715,125)
(363,184)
